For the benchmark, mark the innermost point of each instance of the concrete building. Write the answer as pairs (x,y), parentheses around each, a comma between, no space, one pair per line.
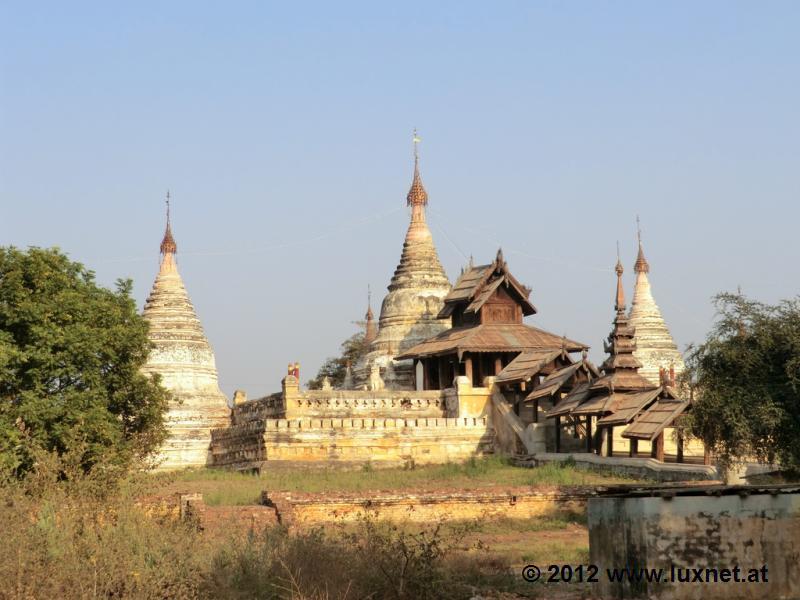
(183,358)
(696,542)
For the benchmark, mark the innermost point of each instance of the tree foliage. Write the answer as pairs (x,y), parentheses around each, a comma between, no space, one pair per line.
(70,359)
(747,375)
(352,349)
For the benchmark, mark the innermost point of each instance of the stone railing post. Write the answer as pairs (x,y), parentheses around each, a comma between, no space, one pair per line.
(291,396)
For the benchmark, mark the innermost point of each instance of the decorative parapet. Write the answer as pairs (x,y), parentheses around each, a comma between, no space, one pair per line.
(351,403)
(268,407)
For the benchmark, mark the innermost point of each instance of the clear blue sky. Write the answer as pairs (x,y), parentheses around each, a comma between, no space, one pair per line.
(283,131)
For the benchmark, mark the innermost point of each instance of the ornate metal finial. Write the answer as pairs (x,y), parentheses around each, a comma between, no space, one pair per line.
(370,330)
(619,304)
(369,316)
(639,230)
(641,265)
(417,196)
(168,245)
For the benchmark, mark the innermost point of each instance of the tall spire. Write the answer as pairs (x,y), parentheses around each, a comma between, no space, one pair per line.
(417,196)
(621,366)
(641,265)
(370,331)
(655,347)
(416,293)
(620,303)
(181,355)
(168,245)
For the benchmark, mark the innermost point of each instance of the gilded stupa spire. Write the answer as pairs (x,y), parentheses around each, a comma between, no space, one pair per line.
(168,245)
(417,196)
(416,293)
(641,265)
(370,329)
(620,301)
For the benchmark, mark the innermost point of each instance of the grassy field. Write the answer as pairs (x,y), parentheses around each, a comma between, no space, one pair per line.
(226,488)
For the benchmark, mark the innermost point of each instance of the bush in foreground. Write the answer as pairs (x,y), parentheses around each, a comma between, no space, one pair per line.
(64,540)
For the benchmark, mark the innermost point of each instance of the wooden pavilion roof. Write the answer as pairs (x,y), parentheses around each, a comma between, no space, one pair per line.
(491,337)
(528,364)
(557,380)
(623,380)
(655,419)
(629,406)
(578,394)
(477,284)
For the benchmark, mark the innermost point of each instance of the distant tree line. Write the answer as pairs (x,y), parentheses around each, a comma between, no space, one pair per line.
(335,367)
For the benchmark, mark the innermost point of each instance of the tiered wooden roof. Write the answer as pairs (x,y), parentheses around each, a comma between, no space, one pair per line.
(621,396)
(478,329)
(477,284)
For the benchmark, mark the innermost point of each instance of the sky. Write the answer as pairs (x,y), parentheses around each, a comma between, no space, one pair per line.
(284,134)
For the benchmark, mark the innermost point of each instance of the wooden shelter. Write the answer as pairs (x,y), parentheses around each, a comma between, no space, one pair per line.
(621,396)
(486,308)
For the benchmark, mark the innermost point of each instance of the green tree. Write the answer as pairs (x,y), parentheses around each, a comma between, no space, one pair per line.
(353,348)
(70,359)
(746,377)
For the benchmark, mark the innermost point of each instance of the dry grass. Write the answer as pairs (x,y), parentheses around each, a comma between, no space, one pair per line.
(231,488)
(90,539)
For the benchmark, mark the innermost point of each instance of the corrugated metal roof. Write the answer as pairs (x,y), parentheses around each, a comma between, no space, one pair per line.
(694,489)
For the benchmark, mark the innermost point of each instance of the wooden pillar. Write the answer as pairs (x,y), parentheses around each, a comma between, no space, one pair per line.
(558,434)
(633,447)
(588,433)
(468,369)
(609,441)
(680,447)
(442,373)
(498,365)
(657,450)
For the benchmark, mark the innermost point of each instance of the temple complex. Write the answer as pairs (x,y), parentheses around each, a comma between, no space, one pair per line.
(622,408)
(655,348)
(486,307)
(183,358)
(410,311)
